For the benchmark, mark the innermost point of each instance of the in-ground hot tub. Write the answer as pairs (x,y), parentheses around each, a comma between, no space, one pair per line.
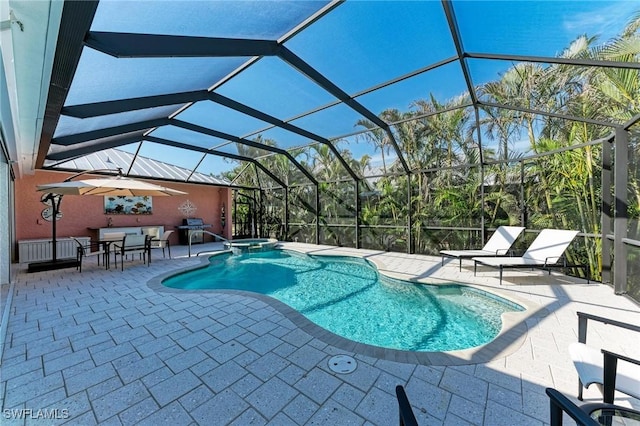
(250,245)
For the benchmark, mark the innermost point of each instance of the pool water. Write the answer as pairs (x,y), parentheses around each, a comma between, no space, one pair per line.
(348,297)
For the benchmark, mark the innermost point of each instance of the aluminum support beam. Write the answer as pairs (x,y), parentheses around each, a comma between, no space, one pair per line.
(112,107)
(148,124)
(457,41)
(296,62)
(523,205)
(483,226)
(286,214)
(556,60)
(64,154)
(176,144)
(606,210)
(358,207)
(77,17)
(410,244)
(226,136)
(317,214)
(261,219)
(109,131)
(97,109)
(621,175)
(237,106)
(483,230)
(131,45)
(549,114)
(635,119)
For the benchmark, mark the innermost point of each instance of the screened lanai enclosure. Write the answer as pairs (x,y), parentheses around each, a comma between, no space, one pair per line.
(409,126)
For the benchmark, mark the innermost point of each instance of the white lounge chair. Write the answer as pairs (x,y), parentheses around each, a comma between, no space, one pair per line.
(589,363)
(498,245)
(544,253)
(609,371)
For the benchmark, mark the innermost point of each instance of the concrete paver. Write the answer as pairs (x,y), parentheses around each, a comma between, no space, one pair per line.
(109,347)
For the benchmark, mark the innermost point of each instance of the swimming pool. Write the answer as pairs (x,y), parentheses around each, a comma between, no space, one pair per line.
(348,297)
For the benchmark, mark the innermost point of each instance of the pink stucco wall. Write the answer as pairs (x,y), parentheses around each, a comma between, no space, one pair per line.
(83,212)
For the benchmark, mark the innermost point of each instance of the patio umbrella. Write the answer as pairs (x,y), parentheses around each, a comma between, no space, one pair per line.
(118,185)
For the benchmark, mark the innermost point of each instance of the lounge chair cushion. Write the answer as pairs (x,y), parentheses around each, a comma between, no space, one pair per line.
(589,363)
(499,244)
(546,249)
(468,253)
(511,261)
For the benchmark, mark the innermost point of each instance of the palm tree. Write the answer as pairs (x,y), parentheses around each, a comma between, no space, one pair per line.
(378,137)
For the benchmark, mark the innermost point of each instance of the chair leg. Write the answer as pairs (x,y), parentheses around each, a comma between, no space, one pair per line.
(460,265)
(169,249)
(555,414)
(609,375)
(500,274)
(580,389)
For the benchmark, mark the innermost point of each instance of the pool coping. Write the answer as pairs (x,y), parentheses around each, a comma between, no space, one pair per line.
(510,338)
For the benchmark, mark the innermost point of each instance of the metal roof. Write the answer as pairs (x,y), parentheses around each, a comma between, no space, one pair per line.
(142,167)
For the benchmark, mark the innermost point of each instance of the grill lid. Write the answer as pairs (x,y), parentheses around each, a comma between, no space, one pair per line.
(193,223)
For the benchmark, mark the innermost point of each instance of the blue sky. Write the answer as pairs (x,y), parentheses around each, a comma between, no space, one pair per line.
(357,46)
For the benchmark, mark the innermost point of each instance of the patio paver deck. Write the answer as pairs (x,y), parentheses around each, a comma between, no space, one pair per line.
(105,347)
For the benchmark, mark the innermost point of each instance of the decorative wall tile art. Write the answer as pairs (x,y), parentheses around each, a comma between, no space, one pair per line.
(120,204)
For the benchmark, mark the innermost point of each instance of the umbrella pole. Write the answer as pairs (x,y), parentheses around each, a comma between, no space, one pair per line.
(55,204)
(54,263)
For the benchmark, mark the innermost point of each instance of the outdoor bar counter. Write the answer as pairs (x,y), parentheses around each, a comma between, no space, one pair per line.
(155,231)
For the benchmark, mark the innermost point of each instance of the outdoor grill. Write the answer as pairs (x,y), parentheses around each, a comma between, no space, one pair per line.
(189,224)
